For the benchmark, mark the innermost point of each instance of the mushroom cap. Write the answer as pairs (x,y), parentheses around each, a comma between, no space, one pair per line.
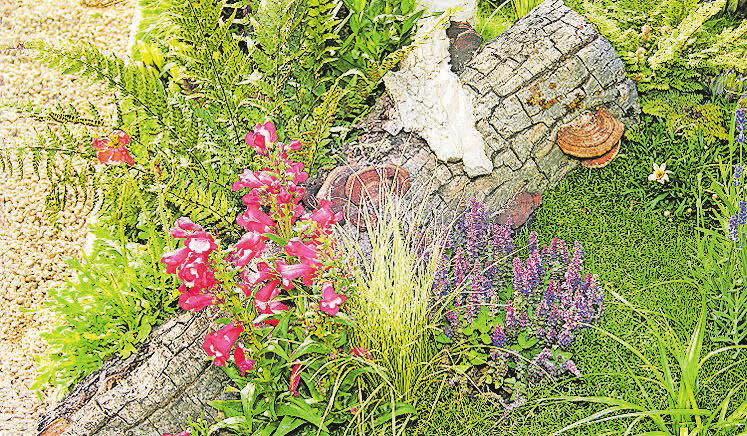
(603,160)
(366,187)
(590,134)
(333,188)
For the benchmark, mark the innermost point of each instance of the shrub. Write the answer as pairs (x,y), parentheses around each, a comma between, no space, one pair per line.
(512,319)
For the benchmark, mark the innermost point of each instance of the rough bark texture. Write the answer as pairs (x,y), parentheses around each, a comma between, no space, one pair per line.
(526,83)
(151,392)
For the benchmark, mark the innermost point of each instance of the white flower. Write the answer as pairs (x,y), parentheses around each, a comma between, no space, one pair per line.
(660,174)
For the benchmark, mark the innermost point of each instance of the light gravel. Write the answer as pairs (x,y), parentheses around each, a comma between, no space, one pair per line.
(32,249)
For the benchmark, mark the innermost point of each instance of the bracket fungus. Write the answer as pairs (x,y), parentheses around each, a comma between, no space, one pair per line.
(351,188)
(592,137)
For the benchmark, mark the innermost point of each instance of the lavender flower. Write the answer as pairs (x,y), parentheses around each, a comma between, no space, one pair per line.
(742,215)
(740,125)
(737,174)
(498,337)
(733,229)
(510,323)
(570,366)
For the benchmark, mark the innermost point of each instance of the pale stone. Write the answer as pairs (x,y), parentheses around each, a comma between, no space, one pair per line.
(431,102)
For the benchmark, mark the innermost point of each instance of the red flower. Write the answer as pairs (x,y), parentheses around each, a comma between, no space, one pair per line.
(183,433)
(361,352)
(122,138)
(241,361)
(295,378)
(251,245)
(298,249)
(288,273)
(193,300)
(111,150)
(218,344)
(331,301)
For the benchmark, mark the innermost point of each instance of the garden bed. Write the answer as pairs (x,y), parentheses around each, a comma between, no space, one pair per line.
(343,217)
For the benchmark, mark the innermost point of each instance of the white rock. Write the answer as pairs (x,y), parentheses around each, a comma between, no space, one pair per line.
(431,101)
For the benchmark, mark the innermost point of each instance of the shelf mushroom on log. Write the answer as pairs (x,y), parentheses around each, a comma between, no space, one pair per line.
(353,188)
(594,137)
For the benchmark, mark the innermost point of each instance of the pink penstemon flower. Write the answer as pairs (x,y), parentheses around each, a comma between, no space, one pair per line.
(218,344)
(239,358)
(288,273)
(331,301)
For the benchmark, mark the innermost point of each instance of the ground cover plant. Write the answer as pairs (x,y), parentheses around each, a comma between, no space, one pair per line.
(511,320)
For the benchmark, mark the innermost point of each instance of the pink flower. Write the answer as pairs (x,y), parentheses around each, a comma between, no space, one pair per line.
(254,278)
(295,145)
(251,245)
(239,358)
(331,301)
(296,170)
(254,219)
(175,258)
(218,344)
(183,433)
(193,300)
(295,378)
(267,130)
(361,352)
(263,301)
(263,134)
(323,215)
(184,228)
(254,179)
(197,274)
(298,249)
(200,242)
(288,273)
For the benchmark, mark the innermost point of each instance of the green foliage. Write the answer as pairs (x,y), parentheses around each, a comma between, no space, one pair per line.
(493,18)
(677,372)
(109,306)
(723,268)
(670,48)
(374,36)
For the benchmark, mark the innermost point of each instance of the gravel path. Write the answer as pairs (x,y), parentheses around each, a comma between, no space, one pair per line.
(32,251)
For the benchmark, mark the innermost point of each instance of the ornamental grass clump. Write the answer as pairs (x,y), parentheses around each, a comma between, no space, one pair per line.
(511,314)
(393,279)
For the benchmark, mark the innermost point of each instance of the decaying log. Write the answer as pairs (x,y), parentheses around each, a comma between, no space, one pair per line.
(151,392)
